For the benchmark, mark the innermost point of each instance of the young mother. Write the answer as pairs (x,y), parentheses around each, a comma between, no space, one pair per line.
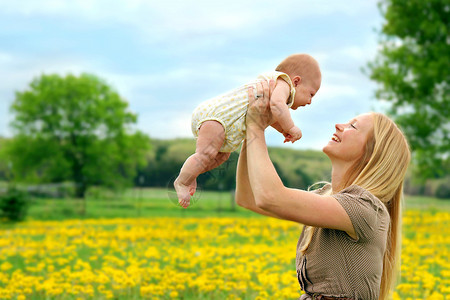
(350,244)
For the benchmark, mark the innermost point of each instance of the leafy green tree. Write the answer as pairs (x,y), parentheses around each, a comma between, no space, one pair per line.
(74,129)
(412,69)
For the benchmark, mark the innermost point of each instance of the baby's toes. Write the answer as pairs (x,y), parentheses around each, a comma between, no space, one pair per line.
(184,200)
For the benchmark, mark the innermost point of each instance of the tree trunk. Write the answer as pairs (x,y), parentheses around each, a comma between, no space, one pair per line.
(80,184)
(80,189)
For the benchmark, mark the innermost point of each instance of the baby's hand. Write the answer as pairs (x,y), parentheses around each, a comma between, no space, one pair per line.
(287,137)
(294,134)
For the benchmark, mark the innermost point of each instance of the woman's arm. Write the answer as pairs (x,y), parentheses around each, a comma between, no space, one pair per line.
(268,190)
(244,194)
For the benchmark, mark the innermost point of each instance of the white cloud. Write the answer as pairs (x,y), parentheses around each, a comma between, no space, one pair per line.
(330,91)
(184,17)
(166,124)
(5,58)
(18,71)
(355,52)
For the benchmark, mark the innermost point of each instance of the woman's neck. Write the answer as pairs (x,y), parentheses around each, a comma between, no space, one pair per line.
(338,176)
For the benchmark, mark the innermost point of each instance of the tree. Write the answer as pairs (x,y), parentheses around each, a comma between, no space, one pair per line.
(412,69)
(74,129)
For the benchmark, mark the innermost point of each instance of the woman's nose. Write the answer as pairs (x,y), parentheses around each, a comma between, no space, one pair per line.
(339,127)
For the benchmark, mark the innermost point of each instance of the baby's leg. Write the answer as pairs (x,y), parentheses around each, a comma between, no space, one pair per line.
(218,160)
(210,139)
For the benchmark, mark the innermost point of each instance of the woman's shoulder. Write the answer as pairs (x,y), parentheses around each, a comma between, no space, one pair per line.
(353,193)
(364,196)
(368,214)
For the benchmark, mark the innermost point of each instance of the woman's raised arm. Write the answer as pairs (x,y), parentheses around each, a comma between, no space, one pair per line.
(244,194)
(269,192)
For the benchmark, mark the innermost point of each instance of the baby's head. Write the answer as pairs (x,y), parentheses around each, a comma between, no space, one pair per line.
(305,74)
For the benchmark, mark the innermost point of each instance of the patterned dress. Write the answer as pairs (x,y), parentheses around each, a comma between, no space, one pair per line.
(230,110)
(337,265)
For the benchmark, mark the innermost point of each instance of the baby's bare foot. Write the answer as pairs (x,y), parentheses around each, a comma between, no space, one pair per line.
(183,193)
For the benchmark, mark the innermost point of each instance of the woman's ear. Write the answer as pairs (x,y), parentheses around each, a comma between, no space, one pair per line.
(297,80)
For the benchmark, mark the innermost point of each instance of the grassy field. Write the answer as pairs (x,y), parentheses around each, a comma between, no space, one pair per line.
(137,203)
(162,202)
(141,245)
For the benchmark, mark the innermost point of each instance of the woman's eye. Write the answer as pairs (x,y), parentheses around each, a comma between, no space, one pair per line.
(353,126)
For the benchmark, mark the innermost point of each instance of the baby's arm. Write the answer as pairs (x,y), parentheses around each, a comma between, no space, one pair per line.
(287,136)
(277,127)
(280,110)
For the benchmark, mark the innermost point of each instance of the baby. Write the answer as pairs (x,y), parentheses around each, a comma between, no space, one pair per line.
(219,123)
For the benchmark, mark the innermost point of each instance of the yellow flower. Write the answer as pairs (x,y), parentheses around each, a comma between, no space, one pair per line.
(219,258)
(6,266)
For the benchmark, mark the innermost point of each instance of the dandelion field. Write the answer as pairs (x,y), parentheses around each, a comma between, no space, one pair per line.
(192,258)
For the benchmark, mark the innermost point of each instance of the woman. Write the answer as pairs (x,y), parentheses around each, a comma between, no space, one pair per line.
(350,244)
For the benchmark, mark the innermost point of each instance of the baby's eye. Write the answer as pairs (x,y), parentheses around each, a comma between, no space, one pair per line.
(353,125)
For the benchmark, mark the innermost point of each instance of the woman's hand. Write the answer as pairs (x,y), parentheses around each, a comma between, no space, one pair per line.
(258,113)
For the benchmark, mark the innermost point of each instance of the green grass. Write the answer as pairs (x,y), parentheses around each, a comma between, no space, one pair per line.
(426,203)
(159,202)
(137,203)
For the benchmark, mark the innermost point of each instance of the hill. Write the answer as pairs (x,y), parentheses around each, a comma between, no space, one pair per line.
(297,168)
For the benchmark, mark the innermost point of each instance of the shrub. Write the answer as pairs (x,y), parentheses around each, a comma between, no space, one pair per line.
(443,191)
(14,204)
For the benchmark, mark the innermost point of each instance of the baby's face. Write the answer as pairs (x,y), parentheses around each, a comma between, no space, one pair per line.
(304,92)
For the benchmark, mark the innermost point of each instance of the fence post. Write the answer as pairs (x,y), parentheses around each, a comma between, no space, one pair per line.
(233,203)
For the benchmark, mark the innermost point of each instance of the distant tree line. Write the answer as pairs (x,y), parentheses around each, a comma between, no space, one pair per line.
(296,168)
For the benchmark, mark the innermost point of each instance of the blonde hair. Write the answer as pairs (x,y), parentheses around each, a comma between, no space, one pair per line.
(381,171)
(303,65)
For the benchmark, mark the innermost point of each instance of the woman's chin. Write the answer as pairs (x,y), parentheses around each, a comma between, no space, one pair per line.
(326,149)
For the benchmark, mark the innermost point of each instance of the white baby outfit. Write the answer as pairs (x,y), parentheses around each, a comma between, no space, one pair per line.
(230,110)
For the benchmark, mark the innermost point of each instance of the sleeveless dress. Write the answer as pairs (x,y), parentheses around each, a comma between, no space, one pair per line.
(230,110)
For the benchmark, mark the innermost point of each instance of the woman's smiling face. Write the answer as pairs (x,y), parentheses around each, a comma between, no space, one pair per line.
(349,140)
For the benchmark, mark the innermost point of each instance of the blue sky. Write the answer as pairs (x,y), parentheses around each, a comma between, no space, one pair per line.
(165,57)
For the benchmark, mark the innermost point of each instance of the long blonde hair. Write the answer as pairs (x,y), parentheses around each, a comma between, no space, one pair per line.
(381,171)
